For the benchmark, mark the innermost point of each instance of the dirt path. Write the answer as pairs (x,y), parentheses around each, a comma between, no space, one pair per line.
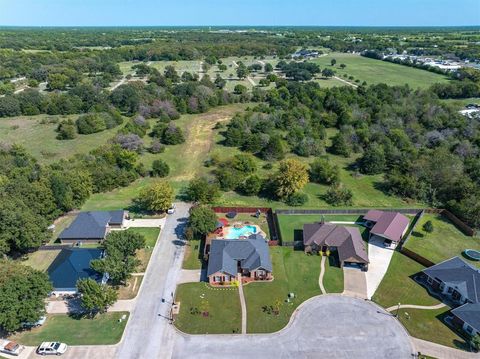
(322,273)
(344,81)
(412,306)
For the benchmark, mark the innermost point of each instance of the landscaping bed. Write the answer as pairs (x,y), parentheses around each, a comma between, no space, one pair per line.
(222,305)
(104,329)
(294,272)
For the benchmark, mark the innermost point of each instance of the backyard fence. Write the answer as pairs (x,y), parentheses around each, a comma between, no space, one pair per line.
(416,257)
(467,230)
(414,223)
(344,211)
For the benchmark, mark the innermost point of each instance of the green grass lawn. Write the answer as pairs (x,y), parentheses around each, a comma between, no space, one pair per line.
(144,254)
(40,260)
(398,287)
(429,325)
(294,272)
(104,329)
(193,255)
(376,71)
(222,305)
(40,139)
(333,277)
(446,241)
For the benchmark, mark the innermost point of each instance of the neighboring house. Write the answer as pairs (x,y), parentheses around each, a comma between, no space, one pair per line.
(347,241)
(92,226)
(389,226)
(230,257)
(73,264)
(459,281)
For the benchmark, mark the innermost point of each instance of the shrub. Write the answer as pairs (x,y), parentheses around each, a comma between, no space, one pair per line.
(201,190)
(297,199)
(252,185)
(156,147)
(338,195)
(90,123)
(322,171)
(160,168)
(66,130)
(130,142)
(172,135)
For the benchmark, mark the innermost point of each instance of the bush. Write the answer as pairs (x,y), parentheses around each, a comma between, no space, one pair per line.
(297,199)
(338,195)
(90,123)
(322,171)
(66,130)
(130,142)
(201,190)
(160,168)
(172,135)
(252,185)
(156,147)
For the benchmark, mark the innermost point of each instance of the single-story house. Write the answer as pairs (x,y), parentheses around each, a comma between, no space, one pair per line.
(92,227)
(229,257)
(347,241)
(73,264)
(459,281)
(390,226)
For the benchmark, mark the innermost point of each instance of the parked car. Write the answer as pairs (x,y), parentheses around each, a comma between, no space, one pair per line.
(171,210)
(38,323)
(9,347)
(52,348)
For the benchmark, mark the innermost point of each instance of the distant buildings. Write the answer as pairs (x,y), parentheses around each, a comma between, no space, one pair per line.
(305,54)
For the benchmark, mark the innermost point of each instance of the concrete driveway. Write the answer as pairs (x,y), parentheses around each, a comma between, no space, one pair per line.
(327,326)
(145,222)
(379,257)
(354,282)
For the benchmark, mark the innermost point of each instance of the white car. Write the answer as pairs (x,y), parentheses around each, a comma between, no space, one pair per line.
(9,347)
(52,348)
(171,210)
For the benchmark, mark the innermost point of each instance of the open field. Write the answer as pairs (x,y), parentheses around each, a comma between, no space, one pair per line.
(222,305)
(40,139)
(429,325)
(41,260)
(294,272)
(446,240)
(398,285)
(104,329)
(376,71)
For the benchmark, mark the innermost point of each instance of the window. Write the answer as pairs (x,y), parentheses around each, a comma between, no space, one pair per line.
(468,328)
(429,280)
(217,278)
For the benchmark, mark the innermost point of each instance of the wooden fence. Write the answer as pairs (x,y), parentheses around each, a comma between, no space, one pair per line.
(345,211)
(416,257)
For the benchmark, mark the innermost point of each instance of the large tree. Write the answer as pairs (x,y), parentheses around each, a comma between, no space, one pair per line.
(292,176)
(22,294)
(202,220)
(157,197)
(96,298)
(201,190)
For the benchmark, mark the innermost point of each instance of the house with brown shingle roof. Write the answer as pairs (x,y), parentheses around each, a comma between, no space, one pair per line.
(390,226)
(347,241)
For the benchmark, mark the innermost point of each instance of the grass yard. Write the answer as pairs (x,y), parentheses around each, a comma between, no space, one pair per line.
(222,305)
(294,272)
(104,329)
(398,287)
(39,139)
(151,235)
(130,290)
(193,255)
(446,241)
(41,260)
(376,71)
(60,224)
(429,325)
(333,277)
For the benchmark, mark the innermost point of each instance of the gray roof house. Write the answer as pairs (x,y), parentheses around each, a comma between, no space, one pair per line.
(73,264)
(388,225)
(460,282)
(346,240)
(92,226)
(228,257)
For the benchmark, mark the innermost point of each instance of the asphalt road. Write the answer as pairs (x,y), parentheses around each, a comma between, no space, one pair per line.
(148,333)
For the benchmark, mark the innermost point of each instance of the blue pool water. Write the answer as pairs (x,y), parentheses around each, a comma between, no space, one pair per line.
(245,231)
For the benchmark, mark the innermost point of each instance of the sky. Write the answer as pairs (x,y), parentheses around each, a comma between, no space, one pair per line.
(239,12)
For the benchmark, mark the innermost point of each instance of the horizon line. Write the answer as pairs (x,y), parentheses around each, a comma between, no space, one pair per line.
(244,26)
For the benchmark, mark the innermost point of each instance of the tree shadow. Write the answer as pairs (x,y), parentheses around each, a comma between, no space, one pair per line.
(333,260)
(417,234)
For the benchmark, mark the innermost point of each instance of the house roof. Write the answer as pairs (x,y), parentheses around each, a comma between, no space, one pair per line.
(348,240)
(470,314)
(459,274)
(391,225)
(92,225)
(73,264)
(252,253)
(373,215)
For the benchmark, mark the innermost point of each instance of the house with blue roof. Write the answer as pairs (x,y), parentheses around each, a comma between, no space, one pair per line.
(229,258)
(92,226)
(73,264)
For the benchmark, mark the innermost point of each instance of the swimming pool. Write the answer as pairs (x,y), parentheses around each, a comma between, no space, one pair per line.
(244,231)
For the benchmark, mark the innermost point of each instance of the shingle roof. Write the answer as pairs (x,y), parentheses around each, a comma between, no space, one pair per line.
(73,264)
(470,314)
(92,225)
(391,225)
(373,215)
(252,253)
(348,240)
(457,273)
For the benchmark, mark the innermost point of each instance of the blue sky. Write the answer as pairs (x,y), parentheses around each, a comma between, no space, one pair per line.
(240,12)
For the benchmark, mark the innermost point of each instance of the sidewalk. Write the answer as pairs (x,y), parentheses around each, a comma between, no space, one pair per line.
(440,351)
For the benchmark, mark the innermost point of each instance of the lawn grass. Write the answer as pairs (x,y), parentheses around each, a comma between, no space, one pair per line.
(40,139)
(398,285)
(193,255)
(376,71)
(446,240)
(144,254)
(294,272)
(222,305)
(429,325)
(333,277)
(41,260)
(104,329)
(130,290)
(60,224)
